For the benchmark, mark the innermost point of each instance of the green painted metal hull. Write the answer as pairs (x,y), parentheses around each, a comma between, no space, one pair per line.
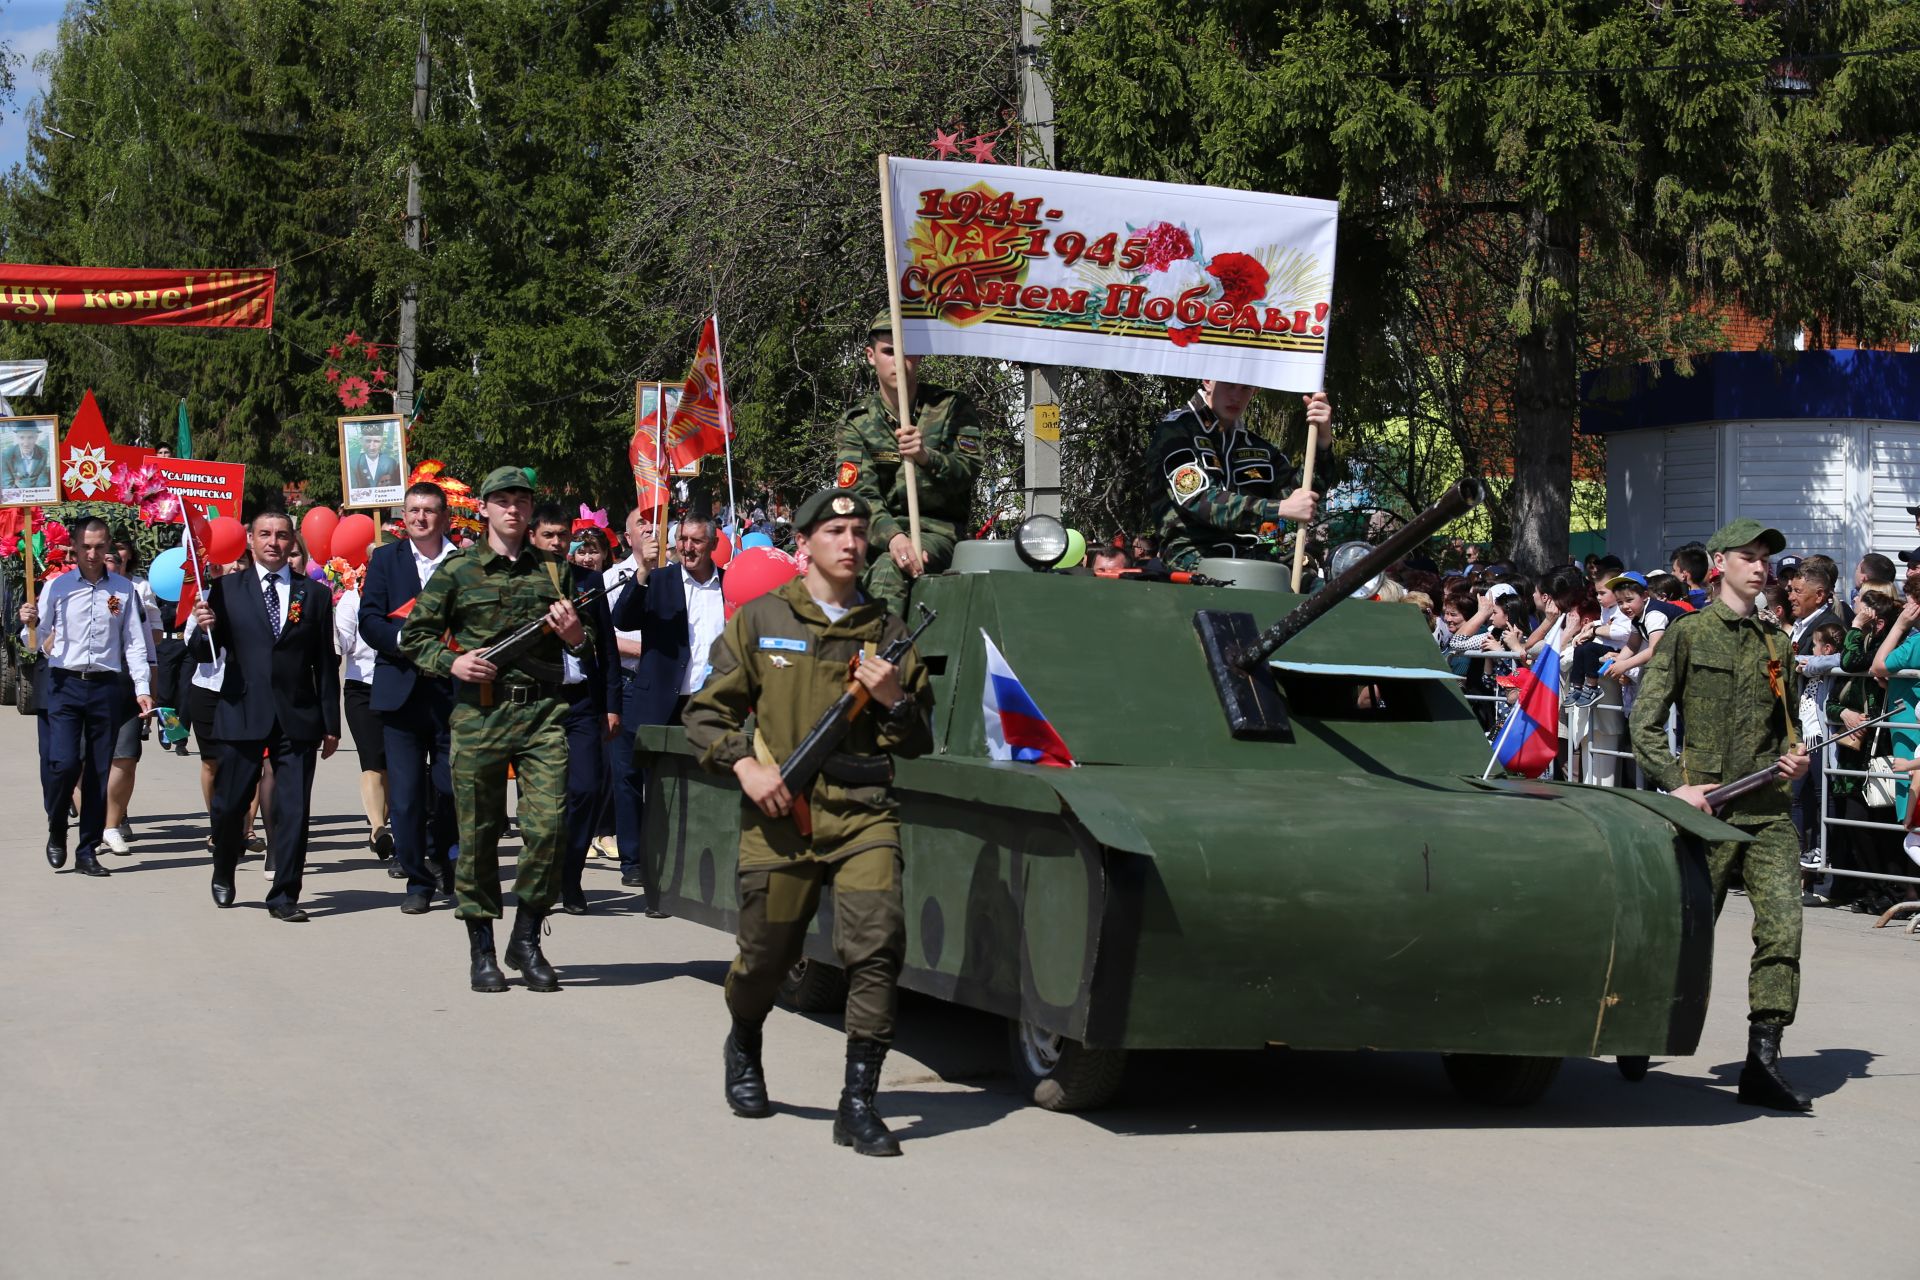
(1346,889)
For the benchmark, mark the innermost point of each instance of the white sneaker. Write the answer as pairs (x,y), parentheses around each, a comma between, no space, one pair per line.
(1811,859)
(115,840)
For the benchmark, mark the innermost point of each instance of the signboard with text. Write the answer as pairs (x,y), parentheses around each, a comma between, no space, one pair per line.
(210,488)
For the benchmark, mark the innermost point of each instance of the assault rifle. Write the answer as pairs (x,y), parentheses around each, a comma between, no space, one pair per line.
(830,730)
(1721,795)
(510,648)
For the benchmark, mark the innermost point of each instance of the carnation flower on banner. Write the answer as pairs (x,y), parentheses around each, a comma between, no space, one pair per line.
(702,423)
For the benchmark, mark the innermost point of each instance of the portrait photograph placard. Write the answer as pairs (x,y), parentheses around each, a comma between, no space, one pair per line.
(29,469)
(373,461)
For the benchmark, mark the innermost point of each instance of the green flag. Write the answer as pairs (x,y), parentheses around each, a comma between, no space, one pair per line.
(183,437)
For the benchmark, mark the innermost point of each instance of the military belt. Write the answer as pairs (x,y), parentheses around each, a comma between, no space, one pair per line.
(858,771)
(515,692)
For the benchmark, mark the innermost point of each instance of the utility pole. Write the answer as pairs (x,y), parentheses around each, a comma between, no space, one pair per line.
(410,300)
(1042,435)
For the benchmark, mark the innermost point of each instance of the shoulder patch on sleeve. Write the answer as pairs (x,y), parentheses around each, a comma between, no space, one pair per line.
(849,475)
(1187,480)
(967,444)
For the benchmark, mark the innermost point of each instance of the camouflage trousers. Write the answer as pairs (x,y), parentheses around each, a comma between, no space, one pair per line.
(1769,867)
(883,579)
(532,737)
(869,935)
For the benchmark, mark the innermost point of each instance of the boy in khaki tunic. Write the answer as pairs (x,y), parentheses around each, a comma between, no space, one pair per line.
(784,659)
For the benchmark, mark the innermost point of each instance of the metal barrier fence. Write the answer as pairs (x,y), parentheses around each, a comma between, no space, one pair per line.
(1578,726)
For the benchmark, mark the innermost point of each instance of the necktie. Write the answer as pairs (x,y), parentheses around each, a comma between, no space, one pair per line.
(271,597)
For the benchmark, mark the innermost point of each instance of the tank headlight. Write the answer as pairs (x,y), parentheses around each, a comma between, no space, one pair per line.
(1344,557)
(1041,541)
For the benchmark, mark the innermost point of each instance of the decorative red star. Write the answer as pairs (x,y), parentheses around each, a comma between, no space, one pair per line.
(333,375)
(946,144)
(981,148)
(353,338)
(379,376)
(333,352)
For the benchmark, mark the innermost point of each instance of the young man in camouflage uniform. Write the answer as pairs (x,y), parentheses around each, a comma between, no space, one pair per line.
(943,443)
(784,658)
(1731,674)
(515,716)
(1221,482)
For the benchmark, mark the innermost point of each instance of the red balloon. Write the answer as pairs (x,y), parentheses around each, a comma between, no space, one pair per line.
(316,530)
(722,550)
(226,539)
(352,537)
(753,573)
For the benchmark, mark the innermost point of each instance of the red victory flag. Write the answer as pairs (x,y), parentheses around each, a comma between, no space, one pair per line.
(702,424)
(88,456)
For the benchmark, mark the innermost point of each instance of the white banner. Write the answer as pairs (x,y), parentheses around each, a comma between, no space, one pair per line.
(1106,273)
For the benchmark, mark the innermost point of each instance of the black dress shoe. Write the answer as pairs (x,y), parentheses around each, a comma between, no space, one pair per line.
(418,903)
(222,894)
(292,915)
(88,864)
(655,913)
(574,908)
(394,872)
(632,878)
(56,852)
(382,843)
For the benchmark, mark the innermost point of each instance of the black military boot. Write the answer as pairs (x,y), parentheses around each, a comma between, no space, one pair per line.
(523,951)
(858,1125)
(1761,1082)
(746,1079)
(486,975)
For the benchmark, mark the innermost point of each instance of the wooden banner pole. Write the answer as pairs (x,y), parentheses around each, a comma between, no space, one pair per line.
(902,401)
(1306,482)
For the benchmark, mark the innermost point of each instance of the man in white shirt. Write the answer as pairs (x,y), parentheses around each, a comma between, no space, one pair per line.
(679,615)
(643,556)
(98,638)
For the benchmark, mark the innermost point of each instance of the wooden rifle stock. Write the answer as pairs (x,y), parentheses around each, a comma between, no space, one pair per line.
(1726,793)
(830,730)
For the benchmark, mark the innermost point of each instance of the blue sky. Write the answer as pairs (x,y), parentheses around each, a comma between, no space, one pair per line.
(28,27)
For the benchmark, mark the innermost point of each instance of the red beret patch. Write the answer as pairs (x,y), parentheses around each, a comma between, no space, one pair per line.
(849,475)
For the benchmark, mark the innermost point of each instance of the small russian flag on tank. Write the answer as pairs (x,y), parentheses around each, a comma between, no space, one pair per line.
(1016,727)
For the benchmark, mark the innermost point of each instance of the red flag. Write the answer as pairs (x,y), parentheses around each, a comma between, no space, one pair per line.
(194,539)
(702,422)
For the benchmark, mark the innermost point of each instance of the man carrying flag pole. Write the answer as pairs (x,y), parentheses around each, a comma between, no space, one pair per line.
(1529,741)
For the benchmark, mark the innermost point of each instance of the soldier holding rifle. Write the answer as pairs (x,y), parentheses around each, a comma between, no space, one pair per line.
(784,657)
(503,715)
(1731,674)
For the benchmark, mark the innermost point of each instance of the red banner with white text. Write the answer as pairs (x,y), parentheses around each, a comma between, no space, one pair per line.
(217,299)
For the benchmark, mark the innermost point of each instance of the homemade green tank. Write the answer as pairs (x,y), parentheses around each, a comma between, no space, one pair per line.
(1347,883)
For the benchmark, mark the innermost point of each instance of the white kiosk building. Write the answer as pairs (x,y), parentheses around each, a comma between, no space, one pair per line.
(1821,445)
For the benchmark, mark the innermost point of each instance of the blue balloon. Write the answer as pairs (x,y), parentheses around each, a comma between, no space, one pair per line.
(167,575)
(317,571)
(756,540)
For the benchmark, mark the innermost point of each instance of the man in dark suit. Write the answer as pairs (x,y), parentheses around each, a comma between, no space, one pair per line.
(592,687)
(279,703)
(1811,591)
(413,708)
(678,616)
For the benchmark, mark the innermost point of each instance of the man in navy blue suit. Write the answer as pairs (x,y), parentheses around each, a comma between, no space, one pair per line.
(593,688)
(279,704)
(678,616)
(413,708)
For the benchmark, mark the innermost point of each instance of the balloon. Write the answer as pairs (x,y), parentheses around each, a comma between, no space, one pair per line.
(226,539)
(352,537)
(316,530)
(756,540)
(317,571)
(167,575)
(753,573)
(722,550)
(1076,549)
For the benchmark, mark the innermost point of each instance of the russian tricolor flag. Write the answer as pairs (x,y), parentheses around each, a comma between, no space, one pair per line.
(1016,728)
(1529,741)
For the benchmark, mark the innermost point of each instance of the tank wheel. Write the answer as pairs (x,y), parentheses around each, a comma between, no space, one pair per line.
(1061,1074)
(813,987)
(1633,1066)
(1500,1080)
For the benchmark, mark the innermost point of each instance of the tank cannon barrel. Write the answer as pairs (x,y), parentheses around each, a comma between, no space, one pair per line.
(1463,497)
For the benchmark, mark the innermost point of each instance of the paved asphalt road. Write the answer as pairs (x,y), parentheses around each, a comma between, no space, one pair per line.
(187,1092)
